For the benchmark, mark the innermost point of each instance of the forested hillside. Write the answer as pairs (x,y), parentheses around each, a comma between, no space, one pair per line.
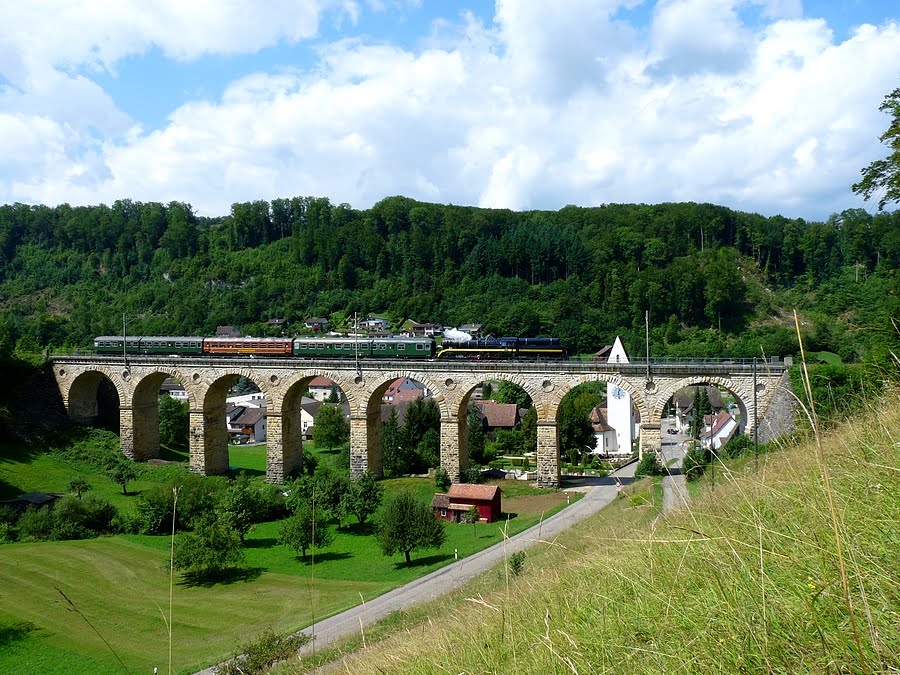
(715,281)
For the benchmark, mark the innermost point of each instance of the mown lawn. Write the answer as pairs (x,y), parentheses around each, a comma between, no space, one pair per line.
(120,587)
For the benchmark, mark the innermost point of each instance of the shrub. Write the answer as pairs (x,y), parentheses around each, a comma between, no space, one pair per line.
(260,654)
(8,515)
(695,462)
(649,466)
(736,446)
(126,522)
(441,479)
(473,474)
(209,550)
(516,563)
(198,496)
(36,524)
(82,518)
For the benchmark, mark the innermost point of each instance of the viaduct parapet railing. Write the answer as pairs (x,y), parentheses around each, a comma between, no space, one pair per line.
(760,389)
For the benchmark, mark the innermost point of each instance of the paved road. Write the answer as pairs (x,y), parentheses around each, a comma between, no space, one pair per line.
(675,495)
(599,492)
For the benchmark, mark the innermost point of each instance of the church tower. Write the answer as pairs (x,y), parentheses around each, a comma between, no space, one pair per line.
(619,411)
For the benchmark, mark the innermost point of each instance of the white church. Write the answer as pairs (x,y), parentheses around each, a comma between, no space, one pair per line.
(615,430)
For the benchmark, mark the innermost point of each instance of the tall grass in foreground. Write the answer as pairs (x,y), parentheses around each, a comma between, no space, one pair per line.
(748,579)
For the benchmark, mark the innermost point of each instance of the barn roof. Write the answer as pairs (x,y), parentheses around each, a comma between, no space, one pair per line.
(472,491)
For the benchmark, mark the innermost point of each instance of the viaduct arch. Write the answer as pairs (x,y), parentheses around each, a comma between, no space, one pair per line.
(282,381)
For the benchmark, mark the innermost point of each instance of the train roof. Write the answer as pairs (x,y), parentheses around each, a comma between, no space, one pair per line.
(247,338)
(154,338)
(361,338)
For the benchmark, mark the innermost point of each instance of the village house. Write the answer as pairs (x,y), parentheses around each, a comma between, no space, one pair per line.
(321,389)
(316,324)
(246,424)
(473,329)
(374,323)
(421,330)
(606,441)
(498,415)
(684,404)
(718,430)
(228,332)
(31,500)
(309,408)
(460,499)
(404,390)
(174,388)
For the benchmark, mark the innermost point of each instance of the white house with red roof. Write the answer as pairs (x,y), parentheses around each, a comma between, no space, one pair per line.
(719,429)
(321,389)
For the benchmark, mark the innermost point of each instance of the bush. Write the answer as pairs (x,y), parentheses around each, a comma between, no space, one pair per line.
(262,653)
(208,551)
(736,446)
(198,496)
(76,518)
(442,479)
(36,524)
(126,522)
(649,466)
(695,462)
(516,563)
(473,474)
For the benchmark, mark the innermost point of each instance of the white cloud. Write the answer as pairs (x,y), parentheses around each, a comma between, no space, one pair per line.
(551,104)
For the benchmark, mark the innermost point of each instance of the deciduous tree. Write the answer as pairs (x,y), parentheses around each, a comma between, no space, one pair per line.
(211,548)
(884,174)
(174,422)
(408,524)
(306,529)
(122,472)
(330,429)
(364,497)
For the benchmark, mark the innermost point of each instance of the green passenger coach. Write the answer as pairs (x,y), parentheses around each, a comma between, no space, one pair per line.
(394,347)
(167,345)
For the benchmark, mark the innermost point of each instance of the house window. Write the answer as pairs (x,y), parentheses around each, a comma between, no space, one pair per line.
(443,513)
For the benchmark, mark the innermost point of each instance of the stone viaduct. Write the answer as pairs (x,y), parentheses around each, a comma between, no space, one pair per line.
(761,390)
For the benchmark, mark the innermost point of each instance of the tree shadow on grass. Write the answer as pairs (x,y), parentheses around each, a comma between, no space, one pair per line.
(15,632)
(263,542)
(325,557)
(506,516)
(235,471)
(362,529)
(230,575)
(423,562)
(173,454)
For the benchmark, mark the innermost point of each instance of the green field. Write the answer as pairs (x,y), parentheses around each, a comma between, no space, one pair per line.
(120,586)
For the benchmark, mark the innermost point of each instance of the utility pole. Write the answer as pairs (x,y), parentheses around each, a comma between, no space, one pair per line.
(124,342)
(647,334)
(356,343)
(755,423)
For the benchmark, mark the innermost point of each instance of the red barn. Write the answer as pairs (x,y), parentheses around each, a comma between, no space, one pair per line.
(462,497)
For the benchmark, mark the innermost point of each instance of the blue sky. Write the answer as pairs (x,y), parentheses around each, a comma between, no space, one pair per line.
(761,105)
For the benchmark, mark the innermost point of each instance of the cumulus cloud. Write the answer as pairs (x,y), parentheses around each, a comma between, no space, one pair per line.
(545,105)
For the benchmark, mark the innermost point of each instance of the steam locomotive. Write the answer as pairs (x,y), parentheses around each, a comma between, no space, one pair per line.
(489,348)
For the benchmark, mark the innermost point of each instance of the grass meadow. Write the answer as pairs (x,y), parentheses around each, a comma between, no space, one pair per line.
(101,605)
(793,567)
